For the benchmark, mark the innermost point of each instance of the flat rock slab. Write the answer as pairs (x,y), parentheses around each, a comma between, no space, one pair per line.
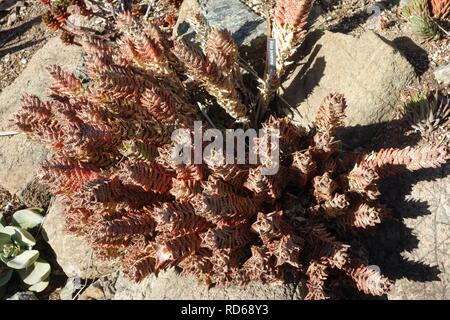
(422,265)
(368,70)
(74,254)
(247,28)
(169,285)
(20,158)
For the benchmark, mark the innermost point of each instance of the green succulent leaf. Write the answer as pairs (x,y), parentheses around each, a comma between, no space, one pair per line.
(28,218)
(20,236)
(5,276)
(425,27)
(23,260)
(40,286)
(4,238)
(37,272)
(8,251)
(416,7)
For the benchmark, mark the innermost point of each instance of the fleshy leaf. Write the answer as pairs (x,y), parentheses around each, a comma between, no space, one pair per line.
(23,260)
(4,238)
(21,236)
(5,275)
(28,218)
(35,273)
(40,286)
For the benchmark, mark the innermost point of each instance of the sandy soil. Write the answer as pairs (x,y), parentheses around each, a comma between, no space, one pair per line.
(22,32)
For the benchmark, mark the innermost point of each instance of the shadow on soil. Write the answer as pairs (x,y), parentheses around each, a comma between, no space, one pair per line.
(7,35)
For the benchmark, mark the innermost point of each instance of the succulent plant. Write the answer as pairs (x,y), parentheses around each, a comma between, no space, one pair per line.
(422,23)
(429,115)
(226,224)
(17,253)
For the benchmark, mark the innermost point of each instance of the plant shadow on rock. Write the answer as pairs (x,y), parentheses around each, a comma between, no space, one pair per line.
(415,55)
(383,246)
(354,136)
(311,71)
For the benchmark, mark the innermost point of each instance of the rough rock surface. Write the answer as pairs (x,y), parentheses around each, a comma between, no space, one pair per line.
(169,285)
(20,158)
(73,254)
(368,70)
(417,252)
(246,27)
(442,74)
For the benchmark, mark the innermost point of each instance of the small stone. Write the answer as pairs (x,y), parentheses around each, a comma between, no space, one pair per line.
(403,3)
(23,61)
(93,292)
(27,295)
(442,74)
(11,19)
(72,285)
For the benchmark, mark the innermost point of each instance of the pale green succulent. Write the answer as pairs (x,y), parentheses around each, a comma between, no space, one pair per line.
(425,27)
(17,253)
(418,14)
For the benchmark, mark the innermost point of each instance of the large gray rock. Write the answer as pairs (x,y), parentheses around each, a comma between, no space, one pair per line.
(74,254)
(169,285)
(368,70)
(20,158)
(442,74)
(247,28)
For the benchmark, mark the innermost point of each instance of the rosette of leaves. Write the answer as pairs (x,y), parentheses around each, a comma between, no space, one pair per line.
(429,115)
(418,14)
(17,251)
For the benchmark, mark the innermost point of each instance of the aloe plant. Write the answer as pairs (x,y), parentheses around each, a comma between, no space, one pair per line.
(17,253)
(418,14)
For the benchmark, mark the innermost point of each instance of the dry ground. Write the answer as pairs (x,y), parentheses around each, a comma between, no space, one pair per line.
(22,32)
